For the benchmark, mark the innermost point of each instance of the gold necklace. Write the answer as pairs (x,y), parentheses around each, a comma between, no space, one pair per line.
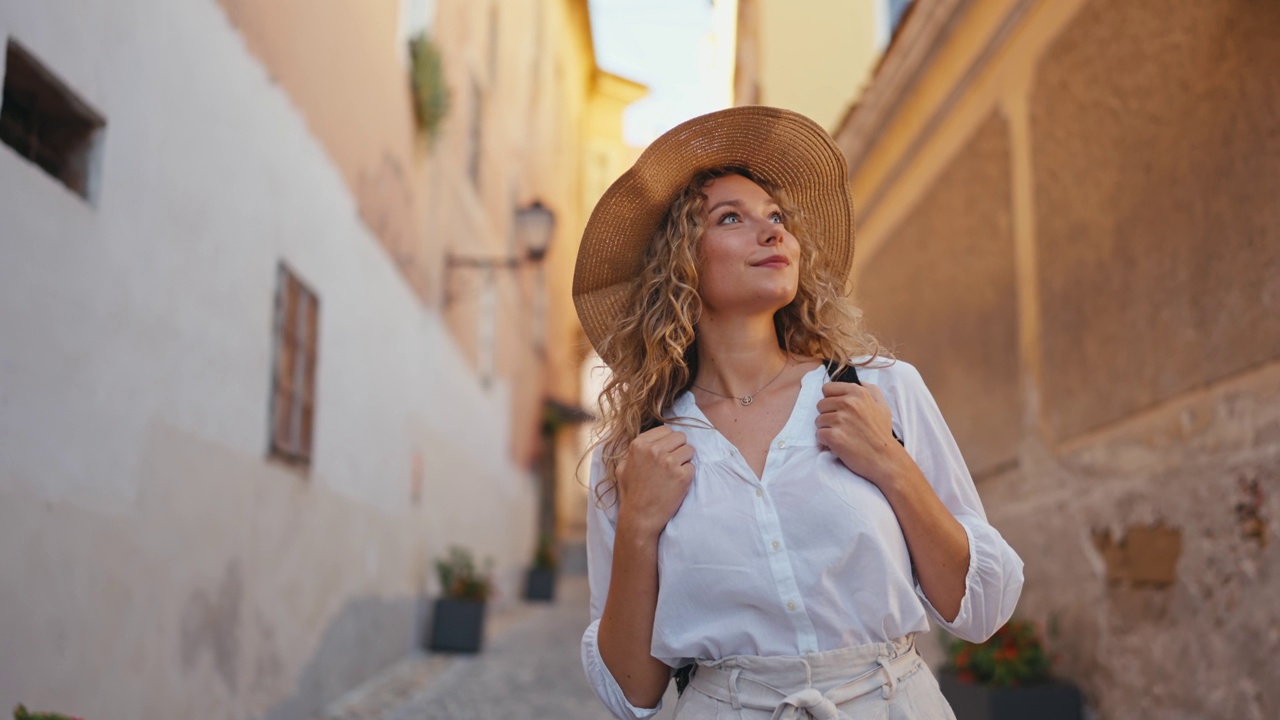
(746,399)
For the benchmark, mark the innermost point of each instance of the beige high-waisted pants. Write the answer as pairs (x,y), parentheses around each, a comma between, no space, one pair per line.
(884,681)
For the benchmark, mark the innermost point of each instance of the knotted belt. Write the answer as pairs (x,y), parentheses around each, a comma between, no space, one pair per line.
(808,703)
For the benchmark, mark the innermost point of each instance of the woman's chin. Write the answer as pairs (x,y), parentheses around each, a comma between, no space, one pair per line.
(783,295)
(760,299)
(770,301)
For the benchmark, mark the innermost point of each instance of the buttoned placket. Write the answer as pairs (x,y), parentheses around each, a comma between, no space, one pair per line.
(776,551)
(770,528)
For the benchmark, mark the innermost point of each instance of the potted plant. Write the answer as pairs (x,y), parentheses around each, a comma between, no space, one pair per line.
(540,583)
(1007,677)
(457,622)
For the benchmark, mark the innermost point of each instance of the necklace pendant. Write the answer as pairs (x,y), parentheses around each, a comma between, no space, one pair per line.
(746,400)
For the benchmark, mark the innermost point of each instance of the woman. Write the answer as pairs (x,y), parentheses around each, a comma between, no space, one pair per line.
(785,535)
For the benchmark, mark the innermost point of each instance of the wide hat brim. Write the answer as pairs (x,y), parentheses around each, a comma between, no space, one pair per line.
(781,147)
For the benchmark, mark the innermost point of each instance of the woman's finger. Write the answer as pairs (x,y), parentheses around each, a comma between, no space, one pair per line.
(838,389)
(826,405)
(670,442)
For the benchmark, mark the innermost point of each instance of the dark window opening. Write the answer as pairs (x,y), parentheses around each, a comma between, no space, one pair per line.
(44,121)
(293,380)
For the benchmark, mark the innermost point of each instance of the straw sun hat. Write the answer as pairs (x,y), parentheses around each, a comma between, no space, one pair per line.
(780,147)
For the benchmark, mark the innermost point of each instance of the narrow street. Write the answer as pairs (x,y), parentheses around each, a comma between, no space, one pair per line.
(529,669)
(308,311)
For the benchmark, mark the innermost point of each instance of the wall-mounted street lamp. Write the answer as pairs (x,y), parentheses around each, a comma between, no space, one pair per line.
(534,226)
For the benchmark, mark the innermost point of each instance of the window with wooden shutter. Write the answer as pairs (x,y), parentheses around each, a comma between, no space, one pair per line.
(293,380)
(44,121)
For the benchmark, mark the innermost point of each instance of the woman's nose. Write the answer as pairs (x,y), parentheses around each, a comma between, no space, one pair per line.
(770,233)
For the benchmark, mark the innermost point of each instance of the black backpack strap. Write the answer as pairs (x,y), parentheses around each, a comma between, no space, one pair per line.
(850,375)
(682,675)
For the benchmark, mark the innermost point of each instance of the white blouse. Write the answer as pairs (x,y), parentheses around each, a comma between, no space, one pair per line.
(808,558)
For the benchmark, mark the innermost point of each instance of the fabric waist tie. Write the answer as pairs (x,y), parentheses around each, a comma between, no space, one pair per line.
(755,686)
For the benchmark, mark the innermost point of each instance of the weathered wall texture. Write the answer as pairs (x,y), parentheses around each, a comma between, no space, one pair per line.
(939,294)
(1154,129)
(523,98)
(1195,638)
(531,108)
(343,70)
(1073,232)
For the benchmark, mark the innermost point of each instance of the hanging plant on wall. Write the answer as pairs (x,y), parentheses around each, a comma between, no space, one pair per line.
(430,94)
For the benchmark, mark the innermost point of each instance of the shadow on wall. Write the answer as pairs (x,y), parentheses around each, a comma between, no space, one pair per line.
(368,634)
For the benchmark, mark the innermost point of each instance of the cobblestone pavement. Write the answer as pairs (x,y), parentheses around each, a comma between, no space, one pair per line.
(529,670)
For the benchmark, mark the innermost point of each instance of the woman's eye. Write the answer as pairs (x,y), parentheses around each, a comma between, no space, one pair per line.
(776,216)
(729,218)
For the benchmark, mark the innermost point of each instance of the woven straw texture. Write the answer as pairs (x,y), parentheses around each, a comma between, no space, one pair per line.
(781,147)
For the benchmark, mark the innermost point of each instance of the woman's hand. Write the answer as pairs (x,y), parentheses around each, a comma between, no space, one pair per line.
(653,479)
(854,422)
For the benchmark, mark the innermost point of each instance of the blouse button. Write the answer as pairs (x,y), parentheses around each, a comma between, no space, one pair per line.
(759,492)
(791,606)
(776,544)
(782,444)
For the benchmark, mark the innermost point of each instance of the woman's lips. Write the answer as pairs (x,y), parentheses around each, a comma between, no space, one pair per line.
(773,261)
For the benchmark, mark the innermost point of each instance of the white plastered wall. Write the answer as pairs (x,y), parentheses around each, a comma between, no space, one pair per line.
(153,562)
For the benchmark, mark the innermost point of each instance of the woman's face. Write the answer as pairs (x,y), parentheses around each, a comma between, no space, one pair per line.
(748,263)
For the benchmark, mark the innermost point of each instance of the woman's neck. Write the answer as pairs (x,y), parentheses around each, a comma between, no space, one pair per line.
(736,357)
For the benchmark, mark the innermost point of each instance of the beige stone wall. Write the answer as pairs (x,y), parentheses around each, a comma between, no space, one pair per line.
(1134,625)
(939,293)
(549,118)
(1173,191)
(344,71)
(1067,221)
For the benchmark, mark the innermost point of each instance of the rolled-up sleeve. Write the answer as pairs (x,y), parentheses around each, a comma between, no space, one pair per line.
(603,682)
(600,532)
(994,579)
(991,586)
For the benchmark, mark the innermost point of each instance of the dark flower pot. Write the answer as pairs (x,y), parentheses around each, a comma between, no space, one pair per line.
(540,584)
(1049,701)
(457,626)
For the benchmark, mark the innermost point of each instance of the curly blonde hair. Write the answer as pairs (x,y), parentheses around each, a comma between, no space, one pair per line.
(653,342)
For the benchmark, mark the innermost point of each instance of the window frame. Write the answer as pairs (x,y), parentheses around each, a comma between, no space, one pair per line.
(295,345)
(47,123)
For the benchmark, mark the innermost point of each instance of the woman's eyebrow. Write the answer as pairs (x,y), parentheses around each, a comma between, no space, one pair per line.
(722,203)
(737,204)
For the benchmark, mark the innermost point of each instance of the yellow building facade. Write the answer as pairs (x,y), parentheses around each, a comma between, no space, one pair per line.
(811,56)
